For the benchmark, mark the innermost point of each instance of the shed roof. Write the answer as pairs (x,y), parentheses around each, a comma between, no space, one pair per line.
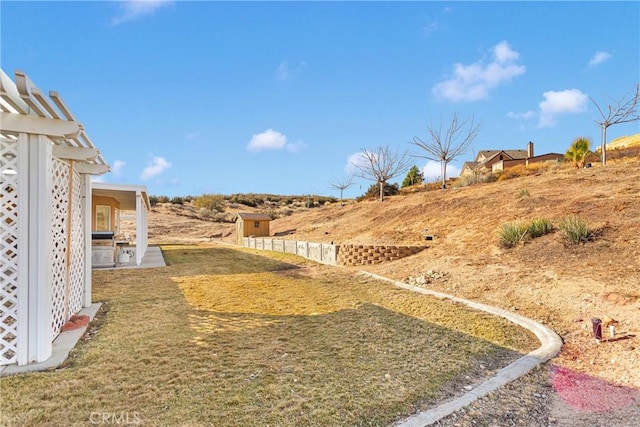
(254,216)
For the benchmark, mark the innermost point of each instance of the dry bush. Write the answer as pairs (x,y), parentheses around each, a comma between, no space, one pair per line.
(524,170)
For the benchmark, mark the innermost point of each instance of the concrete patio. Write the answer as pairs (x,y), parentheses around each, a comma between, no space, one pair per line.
(152,258)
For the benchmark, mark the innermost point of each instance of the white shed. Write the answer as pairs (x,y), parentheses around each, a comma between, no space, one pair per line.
(46,163)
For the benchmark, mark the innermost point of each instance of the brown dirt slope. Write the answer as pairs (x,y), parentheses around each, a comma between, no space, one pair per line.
(558,284)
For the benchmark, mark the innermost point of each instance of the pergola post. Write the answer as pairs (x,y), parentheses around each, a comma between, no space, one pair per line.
(40,315)
(22,353)
(141,228)
(86,295)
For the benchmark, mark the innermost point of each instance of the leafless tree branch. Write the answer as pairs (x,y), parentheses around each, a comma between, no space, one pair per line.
(624,110)
(447,145)
(382,164)
(342,184)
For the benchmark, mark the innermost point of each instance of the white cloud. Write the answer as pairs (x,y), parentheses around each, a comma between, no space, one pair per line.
(432,171)
(528,115)
(131,10)
(118,165)
(155,167)
(97,178)
(569,101)
(286,72)
(430,27)
(267,140)
(599,58)
(353,160)
(473,82)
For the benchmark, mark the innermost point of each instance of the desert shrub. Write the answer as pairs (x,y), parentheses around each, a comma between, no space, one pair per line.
(373,192)
(524,170)
(478,178)
(523,193)
(177,200)
(153,200)
(512,233)
(250,199)
(574,230)
(212,202)
(513,172)
(539,227)
(163,199)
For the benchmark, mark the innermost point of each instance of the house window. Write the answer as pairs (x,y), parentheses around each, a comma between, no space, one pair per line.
(256,224)
(103,218)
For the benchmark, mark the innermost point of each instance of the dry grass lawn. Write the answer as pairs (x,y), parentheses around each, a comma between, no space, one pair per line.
(232,337)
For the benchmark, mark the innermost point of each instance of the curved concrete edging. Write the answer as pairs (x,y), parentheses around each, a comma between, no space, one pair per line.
(550,344)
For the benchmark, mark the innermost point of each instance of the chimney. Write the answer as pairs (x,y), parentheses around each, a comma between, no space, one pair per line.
(529,150)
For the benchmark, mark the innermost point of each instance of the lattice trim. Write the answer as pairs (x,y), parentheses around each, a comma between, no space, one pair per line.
(76,273)
(8,251)
(60,219)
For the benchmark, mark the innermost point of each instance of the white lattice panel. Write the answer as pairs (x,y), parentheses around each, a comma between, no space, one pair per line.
(60,217)
(8,251)
(76,275)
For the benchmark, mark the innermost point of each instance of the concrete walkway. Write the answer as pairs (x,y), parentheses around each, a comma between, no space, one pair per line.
(550,345)
(152,258)
(62,346)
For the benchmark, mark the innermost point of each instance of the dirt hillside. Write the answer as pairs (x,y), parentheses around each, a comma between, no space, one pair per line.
(562,285)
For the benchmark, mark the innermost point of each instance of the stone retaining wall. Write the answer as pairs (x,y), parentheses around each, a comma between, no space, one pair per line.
(371,254)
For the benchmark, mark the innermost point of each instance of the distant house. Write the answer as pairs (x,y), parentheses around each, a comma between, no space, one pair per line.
(499,160)
(251,224)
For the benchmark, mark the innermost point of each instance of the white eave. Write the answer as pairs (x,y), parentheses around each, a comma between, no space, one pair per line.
(125,194)
(25,109)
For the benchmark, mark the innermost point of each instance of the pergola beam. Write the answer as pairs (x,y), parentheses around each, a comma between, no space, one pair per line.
(10,94)
(53,128)
(91,168)
(82,154)
(25,87)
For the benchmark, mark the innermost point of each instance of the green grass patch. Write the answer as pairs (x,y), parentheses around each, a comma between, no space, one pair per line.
(512,233)
(574,229)
(234,337)
(539,227)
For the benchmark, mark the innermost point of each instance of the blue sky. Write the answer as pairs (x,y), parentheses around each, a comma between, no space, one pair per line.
(202,97)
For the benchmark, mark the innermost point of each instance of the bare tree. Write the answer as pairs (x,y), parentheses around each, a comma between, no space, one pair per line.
(445,146)
(342,184)
(624,110)
(382,164)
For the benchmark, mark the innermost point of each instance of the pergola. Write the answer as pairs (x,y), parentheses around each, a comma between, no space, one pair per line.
(46,163)
(131,198)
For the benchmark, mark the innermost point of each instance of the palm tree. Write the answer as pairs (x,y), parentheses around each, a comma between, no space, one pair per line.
(578,152)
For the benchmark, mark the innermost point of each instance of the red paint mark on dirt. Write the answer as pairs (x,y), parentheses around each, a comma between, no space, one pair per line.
(589,394)
(75,322)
